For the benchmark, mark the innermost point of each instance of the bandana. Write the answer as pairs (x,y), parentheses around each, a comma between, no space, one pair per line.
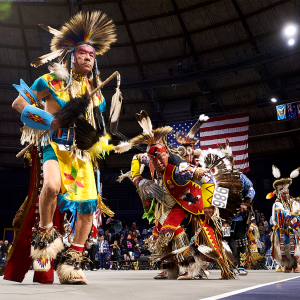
(155,151)
(85,46)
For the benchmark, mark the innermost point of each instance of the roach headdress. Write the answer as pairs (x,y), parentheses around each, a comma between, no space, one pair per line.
(149,136)
(92,28)
(281,184)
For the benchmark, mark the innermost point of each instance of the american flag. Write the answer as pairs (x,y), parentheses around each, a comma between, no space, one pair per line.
(234,127)
(184,126)
(215,130)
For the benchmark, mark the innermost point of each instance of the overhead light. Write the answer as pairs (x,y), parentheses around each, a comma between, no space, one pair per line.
(290,30)
(273,99)
(291,42)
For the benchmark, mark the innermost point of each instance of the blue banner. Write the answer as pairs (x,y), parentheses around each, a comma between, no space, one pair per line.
(281,112)
(26,92)
(292,110)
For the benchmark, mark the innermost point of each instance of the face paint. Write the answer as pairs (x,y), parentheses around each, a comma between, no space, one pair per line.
(155,151)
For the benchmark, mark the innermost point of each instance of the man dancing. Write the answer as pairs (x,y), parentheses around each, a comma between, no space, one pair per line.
(73,111)
(178,196)
(285,216)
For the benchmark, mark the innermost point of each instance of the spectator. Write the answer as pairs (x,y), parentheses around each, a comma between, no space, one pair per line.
(262,231)
(103,249)
(115,237)
(115,253)
(139,240)
(265,222)
(107,236)
(5,249)
(1,256)
(137,249)
(257,216)
(128,246)
(131,234)
(100,230)
(122,238)
(134,227)
(126,229)
(268,240)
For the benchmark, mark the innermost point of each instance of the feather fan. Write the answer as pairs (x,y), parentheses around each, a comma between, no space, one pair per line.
(85,134)
(72,110)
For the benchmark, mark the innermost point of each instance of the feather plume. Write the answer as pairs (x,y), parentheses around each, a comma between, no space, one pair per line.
(60,71)
(197,126)
(145,122)
(161,133)
(99,149)
(85,134)
(50,29)
(209,252)
(295,173)
(47,57)
(197,152)
(276,172)
(94,28)
(122,147)
(115,110)
(270,196)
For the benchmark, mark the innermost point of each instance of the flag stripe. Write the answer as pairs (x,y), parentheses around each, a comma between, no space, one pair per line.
(234,127)
(214,127)
(221,138)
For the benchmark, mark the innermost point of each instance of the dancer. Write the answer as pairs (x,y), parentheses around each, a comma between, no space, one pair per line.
(285,216)
(73,109)
(178,196)
(242,220)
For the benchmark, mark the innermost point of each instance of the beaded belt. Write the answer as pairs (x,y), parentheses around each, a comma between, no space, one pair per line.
(63,136)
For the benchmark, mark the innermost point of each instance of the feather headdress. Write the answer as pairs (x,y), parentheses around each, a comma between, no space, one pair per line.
(149,136)
(227,150)
(281,184)
(93,28)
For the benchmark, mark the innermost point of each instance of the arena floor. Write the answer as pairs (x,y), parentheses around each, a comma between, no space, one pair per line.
(129,285)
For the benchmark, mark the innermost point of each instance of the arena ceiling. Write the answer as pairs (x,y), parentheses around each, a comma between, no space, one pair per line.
(215,57)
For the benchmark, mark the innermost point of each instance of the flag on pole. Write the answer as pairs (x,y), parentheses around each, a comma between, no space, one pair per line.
(292,110)
(298,108)
(281,111)
(235,127)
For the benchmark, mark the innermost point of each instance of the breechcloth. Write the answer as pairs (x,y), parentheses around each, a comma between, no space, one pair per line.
(172,222)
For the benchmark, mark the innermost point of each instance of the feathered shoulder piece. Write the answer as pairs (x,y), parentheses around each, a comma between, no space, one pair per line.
(93,28)
(149,136)
(224,176)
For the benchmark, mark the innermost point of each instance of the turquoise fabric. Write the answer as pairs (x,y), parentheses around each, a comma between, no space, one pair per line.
(48,153)
(41,84)
(84,207)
